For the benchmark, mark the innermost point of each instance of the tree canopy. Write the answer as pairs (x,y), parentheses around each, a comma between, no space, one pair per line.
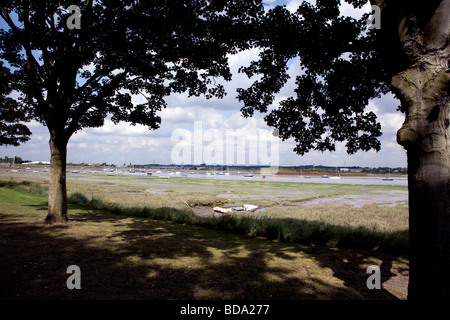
(12,130)
(341,71)
(74,78)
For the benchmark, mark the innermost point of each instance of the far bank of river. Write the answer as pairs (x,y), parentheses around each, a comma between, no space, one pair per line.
(364,180)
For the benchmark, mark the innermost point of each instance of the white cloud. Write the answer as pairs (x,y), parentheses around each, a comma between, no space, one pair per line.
(293,5)
(391,122)
(178,114)
(348,10)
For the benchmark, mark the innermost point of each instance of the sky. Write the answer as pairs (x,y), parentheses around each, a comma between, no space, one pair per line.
(197,130)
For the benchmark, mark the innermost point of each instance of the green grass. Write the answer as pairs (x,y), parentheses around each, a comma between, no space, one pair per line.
(127,255)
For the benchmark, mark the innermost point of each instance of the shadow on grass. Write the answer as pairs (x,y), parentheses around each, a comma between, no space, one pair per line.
(161,260)
(43,206)
(123,254)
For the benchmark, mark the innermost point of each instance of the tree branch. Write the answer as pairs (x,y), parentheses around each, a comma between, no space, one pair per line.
(30,58)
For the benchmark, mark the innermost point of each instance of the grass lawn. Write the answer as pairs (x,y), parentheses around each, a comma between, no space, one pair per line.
(124,257)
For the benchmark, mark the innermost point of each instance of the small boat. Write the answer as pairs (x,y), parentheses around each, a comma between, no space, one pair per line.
(325,176)
(245,207)
(307,177)
(336,175)
(248,175)
(389,177)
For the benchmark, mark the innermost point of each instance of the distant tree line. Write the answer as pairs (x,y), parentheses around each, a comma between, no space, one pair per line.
(15,159)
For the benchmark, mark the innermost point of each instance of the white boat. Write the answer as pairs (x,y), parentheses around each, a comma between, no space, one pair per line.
(336,176)
(389,177)
(245,207)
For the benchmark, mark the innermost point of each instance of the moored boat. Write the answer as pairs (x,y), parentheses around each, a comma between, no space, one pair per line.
(245,207)
(388,178)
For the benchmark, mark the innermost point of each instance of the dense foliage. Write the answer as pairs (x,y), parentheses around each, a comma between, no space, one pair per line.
(341,72)
(73,78)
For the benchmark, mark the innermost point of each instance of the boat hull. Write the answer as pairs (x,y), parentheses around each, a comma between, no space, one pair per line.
(245,207)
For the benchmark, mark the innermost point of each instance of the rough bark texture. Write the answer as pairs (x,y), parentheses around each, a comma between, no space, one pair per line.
(57,195)
(423,88)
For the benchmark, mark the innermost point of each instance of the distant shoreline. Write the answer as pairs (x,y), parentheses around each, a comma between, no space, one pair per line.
(280,172)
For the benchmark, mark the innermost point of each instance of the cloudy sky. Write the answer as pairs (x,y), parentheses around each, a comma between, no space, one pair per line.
(199,126)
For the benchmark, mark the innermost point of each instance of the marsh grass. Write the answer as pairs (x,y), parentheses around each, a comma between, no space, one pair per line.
(382,218)
(32,187)
(303,229)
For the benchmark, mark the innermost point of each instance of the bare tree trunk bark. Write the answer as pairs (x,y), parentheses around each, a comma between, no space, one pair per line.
(425,135)
(423,89)
(57,195)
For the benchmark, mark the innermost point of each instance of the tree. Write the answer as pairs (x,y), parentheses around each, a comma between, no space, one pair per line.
(421,80)
(344,66)
(75,68)
(12,131)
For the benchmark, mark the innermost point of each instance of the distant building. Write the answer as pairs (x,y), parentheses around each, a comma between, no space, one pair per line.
(37,162)
(344,169)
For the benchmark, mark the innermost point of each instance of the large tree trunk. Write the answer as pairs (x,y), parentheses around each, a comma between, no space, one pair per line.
(57,195)
(425,135)
(423,88)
